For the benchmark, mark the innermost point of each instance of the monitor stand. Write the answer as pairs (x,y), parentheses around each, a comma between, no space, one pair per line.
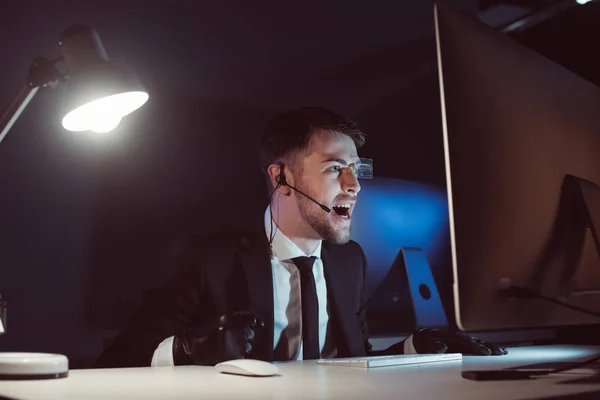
(573,249)
(575,238)
(585,196)
(429,311)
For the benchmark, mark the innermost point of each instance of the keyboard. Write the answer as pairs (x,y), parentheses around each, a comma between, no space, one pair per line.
(388,361)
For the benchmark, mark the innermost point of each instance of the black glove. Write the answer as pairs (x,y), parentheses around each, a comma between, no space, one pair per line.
(427,341)
(230,337)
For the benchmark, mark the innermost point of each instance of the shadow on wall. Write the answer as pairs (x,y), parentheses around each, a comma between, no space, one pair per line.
(192,167)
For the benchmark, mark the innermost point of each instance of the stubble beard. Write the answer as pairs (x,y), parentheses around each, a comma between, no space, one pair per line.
(318,219)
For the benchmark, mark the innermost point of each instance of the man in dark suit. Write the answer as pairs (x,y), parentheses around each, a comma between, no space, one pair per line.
(293,289)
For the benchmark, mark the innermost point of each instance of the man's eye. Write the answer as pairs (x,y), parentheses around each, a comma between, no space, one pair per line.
(334,168)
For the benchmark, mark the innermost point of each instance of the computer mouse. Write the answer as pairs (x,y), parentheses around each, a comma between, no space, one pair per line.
(248,367)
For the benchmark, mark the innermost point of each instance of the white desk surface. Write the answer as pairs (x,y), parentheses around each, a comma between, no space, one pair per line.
(306,380)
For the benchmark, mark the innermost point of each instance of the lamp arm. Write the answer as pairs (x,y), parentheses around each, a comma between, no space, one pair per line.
(42,73)
(16,108)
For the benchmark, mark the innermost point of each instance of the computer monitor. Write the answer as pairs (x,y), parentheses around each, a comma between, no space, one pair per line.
(515,125)
(392,215)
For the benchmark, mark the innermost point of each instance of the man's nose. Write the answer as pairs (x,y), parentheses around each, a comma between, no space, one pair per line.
(350,182)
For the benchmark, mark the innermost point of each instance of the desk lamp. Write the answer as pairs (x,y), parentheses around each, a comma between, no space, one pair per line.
(99,94)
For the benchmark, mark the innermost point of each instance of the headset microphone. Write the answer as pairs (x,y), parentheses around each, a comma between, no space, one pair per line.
(283,182)
(325,208)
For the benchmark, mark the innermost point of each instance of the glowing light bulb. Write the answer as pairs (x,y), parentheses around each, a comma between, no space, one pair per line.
(104,123)
(103,115)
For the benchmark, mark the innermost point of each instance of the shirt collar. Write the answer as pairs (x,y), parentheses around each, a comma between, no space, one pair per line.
(282,247)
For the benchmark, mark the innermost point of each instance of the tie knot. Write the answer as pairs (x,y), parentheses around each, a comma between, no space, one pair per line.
(304,264)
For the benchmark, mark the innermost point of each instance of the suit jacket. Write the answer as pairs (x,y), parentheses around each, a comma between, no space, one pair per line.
(210,275)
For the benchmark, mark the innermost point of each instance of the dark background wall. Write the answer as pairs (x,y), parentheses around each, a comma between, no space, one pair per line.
(85,219)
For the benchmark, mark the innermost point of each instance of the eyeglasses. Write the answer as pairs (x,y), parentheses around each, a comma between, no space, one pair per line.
(363,169)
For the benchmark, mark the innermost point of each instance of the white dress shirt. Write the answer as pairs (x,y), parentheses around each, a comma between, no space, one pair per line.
(283,250)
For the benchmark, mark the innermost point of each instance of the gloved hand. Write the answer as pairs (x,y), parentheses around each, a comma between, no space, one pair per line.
(230,337)
(427,341)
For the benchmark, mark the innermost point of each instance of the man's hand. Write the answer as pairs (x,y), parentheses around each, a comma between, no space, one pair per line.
(426,341)
(230,337)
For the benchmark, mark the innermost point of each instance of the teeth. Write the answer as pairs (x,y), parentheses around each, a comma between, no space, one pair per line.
(343,205)
(347,207)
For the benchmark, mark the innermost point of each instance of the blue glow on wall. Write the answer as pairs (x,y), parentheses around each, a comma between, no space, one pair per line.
(393,213)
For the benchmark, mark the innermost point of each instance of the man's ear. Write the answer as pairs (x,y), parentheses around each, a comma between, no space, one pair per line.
(274,172)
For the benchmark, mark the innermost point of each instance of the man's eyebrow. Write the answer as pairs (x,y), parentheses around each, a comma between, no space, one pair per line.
(339,160)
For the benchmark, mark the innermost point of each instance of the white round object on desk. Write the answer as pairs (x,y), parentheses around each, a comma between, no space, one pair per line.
(248,367)
(15,366)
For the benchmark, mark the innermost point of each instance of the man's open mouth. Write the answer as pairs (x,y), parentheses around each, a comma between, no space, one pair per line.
(343,210)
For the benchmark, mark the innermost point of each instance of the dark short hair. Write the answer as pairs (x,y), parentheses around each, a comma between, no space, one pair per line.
(289,133)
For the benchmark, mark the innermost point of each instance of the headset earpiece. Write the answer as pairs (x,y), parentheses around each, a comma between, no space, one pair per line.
(281,181)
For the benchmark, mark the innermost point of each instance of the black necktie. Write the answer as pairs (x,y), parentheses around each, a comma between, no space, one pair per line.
(310,308)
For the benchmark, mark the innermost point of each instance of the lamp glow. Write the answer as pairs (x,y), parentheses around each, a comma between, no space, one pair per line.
(105,114)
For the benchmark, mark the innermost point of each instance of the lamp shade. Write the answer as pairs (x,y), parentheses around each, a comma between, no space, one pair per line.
(99,93)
